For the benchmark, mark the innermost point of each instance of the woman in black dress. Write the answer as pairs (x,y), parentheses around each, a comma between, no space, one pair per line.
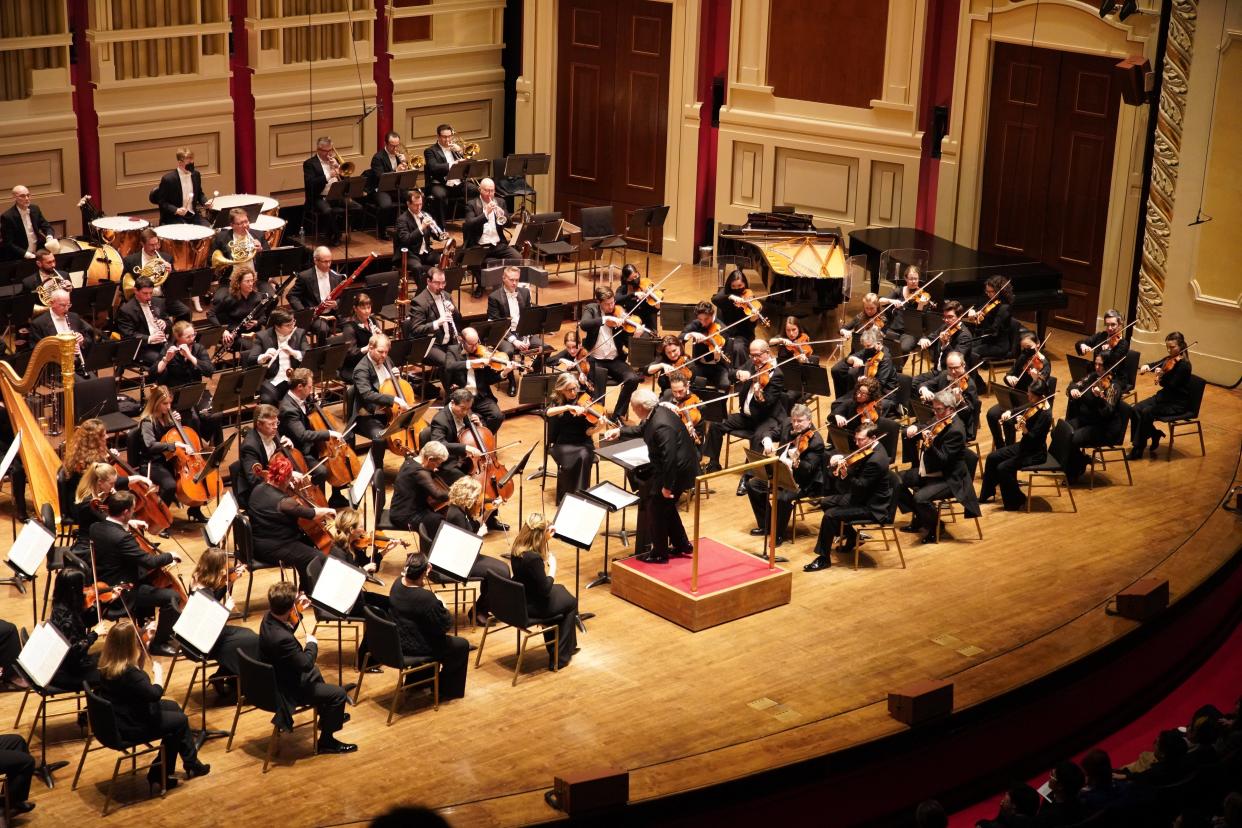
(627,296)
(1173,375)
(142,713)
(464,512)
(569,437)
(357,332)
(990,331)
(215,577)
(75,622)
(150,453)
(533,568)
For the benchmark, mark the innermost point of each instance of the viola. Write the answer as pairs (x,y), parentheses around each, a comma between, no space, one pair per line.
(342,465)
(632,325)
(853,459)
(869,411)
(761,381)
(935,430)
(149,506)
(102,593)
(679,369)
(715,340)
(189,467)
(1042,405)
(873,362)
(399,387)
(592,410)
(921,297)
(795,347)
(383,543)
(690,416)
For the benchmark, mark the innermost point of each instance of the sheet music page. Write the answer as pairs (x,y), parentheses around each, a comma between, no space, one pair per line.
(221,519)
(201,621)
(10,454)
(338,586)
(635,456)
(31,547)
(613,495)
(358,489)
(454,550)
(43,653)
(578,520)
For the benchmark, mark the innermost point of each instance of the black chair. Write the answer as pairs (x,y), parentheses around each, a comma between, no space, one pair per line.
(1189,423)
(1054,466)
(103,729)
(599,232)
(257,690)
(950,508)
(325,616)
(992,363)
(507,601)
(462,592)
(202,663)
(97,398)
(48,695)
(243,551)
(385,649)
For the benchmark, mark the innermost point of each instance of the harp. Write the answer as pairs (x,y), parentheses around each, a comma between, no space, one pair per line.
(39,458)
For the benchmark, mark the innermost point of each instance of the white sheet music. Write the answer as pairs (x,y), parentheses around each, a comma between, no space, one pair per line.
(43,653)
(454,550)
(201,621)
(338,586)
(10,454)
(613,495)
(578,520)
(358,489)
(221,519)
(31,547)
(635,456)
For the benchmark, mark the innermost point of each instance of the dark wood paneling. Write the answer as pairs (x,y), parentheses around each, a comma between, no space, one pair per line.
(612,110)
(831,52)
(1051,136)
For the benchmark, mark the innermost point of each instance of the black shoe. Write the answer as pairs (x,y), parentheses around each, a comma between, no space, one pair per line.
(153,779)
(165,534)
(944,532)
(930,537)
(197,769)
(497,526)
(333,745)
(712,467)
(1155,443)
(1136,452)
(513,389)
(741,487)
(911,528)
(987,498)
(820,562)
(23,807)
(652,558)
(196,515)
(167,649)
(758,530)
(338,500)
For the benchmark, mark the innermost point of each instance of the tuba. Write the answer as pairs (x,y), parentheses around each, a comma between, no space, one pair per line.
(156,270)
(241,250)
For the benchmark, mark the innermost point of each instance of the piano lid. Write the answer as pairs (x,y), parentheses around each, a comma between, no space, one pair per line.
(791,245)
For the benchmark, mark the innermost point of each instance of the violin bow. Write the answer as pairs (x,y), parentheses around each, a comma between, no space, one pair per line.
(921,289)
(642,297)
(1093,348)
(711,349)
(943,419)
(1103,374)
(1038,350)
(876,403)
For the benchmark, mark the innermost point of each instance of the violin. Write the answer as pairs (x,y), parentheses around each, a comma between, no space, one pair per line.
(868,411)
(149,507)
(593,411)
(921,297)
(1042,405)
(690,417)
(189,467)
(873,362)
(715,341)
(853,459)
(383,544)
(761,381)
(654,295)
(102,593)
(679,369)
(750,305)
(342,465)
(795,347)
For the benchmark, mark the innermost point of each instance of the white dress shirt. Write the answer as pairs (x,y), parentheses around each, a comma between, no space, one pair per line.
(187,189)
(328,174)
(61,323)
(32,238)
(451,159)
(605,346)
(323,278)
(490,234)
(152,325)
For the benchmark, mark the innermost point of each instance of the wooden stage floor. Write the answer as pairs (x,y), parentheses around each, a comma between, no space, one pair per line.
(683,710)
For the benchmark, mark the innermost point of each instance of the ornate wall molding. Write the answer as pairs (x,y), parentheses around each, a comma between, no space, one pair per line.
(1169,120)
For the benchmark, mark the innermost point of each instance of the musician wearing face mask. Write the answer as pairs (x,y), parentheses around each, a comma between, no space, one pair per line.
(150,259)
(279,348)
(433,314)
(942,469)
(312,288)
(486,226)
(1034,421)
(799,446)
(60,320)
(146,319)
(387,160)
(180,193)
(319,173)
(416,230)
(1029,365)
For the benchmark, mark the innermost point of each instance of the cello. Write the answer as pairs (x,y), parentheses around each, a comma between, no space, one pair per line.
(488,469)
(399,387)
(149,507)
(194,488)
(338,458)
(314,528)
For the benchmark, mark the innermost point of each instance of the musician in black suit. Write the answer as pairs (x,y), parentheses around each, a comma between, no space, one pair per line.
(468,367)
(415,231)
(46,274)
(356,332)
(312,288)
(433,314)
(446,428)
(508,302)
(23,229)
(423,623)
(319,173)
(570,441)
(59,319)
(1000,469)
(146,319)
(297,678)
(954,377)
(673,467)
(1096,413)
(713,369)
(990,329)
(439,158)
(952,336)
(486,225)
(120,560)
(1029,365)
(293,414)
(259,445)
(280,348)
(807,468)
(1101,341)
(180,193)
(761,408)
(941,470)
(1172,399)
(238,230)
(150,252)
(872,359)
(385,161)
(608,344)
(371,405)
(185,361)
(866,493)
(274,516)
(418,493)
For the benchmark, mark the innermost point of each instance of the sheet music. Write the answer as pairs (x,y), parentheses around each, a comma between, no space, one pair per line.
(338,586)
(201,621)
(221,519)
(612,494)
(578,520)
(358,489)
(10,454)
(454,550)
(31,547)
(635,456)
(43,653)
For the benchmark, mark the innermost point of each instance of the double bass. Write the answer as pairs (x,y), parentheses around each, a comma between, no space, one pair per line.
(195,484)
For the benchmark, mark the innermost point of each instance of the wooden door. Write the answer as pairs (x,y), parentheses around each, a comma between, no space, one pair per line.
(612,106)
(1052,126)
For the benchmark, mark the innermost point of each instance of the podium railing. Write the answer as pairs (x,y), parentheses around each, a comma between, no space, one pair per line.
(773,492)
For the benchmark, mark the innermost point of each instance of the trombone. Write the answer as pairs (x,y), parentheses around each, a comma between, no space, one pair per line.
(345,169)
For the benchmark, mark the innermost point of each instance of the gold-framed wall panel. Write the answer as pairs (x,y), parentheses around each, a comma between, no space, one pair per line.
(475,112)
(47,163)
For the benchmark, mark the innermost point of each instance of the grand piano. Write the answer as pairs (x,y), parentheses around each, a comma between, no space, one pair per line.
(1036,286)
(790,254)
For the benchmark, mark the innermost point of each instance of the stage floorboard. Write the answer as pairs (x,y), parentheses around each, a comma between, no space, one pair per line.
(684,710)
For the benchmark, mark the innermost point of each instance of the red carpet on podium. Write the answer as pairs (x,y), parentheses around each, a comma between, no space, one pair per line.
(720,567)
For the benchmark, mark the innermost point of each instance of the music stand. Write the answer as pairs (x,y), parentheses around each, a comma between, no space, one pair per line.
(675,316)
(642,223)
(1079,366)
(642,353)
(74,261)
(399,182)
(400,351)
(472,259)
(186,397)
(177,286)
(466,169)
(81,300)
(778,476)
(813,378)
(347,191)
(524,166)
(210,336)
(615,499)
(304,318)
(222,220)
(201,280)
(281,262)
(535,390)
(1007,397)
(214,460)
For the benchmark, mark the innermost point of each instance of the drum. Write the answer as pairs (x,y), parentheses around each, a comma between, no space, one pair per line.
(121,232)
(187,244)
(228,202)
(272,228)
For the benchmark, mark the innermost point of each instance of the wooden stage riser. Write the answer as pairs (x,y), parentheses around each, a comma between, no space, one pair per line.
(699,612)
